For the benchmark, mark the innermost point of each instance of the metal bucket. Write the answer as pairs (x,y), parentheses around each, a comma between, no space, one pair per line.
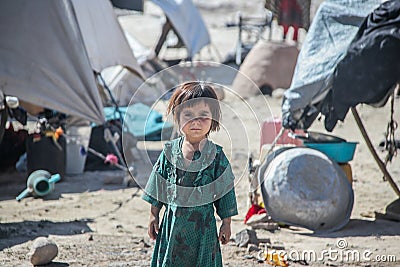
(303,187)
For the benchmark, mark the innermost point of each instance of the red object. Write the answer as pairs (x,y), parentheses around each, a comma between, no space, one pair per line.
(112,159)
(270,129)
(254,209)
(290,15)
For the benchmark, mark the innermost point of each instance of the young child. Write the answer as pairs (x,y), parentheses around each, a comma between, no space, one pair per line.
(191,177)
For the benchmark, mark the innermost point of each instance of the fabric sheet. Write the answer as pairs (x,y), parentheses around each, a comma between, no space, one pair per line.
(371,67)
(141,121)
(334,26)
(50,49)
(188,22)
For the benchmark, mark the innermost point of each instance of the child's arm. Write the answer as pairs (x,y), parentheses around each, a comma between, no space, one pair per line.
(226,206)
(225,231)
(154,222)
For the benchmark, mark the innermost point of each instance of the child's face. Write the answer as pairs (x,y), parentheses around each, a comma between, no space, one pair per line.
(195,121)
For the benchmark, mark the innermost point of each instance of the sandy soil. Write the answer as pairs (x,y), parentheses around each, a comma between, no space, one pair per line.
(97,221)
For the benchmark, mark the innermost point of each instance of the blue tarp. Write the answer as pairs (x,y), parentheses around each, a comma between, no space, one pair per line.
(141,121)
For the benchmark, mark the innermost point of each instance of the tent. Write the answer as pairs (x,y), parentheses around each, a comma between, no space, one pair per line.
(351,55)
(124,84)
(334,26)
(51,49)
(269,65)
(374,50)
(187,22)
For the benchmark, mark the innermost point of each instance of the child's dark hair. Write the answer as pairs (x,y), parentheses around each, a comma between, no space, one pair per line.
(194,91)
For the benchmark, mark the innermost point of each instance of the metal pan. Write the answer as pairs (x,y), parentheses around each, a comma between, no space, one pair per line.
(315,137)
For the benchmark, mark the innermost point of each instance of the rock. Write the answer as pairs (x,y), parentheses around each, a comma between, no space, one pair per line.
(270,226)
(248,257)
(278,93)
(144,244)
(251,248)
(43,251)
(269,65)
(245,237)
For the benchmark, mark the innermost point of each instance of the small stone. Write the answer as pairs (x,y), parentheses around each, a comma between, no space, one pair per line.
(245,237)
(248,257)
(43,251)
(144,244)
(278,93)
(270,226)
(251,248)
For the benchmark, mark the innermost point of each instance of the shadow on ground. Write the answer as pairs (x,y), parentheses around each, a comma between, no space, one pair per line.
(20,232)
(57,264)
(357,227)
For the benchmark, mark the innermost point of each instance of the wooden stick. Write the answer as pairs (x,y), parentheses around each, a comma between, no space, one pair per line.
(98,154)
(373,152)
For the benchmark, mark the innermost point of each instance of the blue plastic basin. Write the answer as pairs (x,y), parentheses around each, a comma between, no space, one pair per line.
(340,152)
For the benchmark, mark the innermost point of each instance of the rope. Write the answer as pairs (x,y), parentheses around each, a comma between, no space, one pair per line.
(390,141)
(273,144)
(121,118)
(98,154)
(253,189)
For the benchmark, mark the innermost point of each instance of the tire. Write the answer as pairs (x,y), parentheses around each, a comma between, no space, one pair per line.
(3,120)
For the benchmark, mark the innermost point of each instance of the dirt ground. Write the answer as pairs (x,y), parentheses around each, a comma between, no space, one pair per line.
(96,220)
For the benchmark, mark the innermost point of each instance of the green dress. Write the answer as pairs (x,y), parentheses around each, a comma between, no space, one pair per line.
(188,232)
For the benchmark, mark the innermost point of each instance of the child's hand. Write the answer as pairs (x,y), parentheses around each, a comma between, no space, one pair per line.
(225,232)
(153,227)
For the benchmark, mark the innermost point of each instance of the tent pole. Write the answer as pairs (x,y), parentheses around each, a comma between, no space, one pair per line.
(373,152)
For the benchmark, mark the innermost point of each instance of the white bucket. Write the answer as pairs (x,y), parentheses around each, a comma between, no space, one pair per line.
(77,148)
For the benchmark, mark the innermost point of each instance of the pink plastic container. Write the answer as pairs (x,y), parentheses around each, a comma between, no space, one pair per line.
(271,128)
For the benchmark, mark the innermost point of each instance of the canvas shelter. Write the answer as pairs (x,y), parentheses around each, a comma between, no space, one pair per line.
(127,87)
(187,22)
(370,69)
(351,55)
(268,66)
(331,32)
(51,49)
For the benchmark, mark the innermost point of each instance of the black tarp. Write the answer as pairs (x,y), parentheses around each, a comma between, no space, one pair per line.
(136,5)
(371,67)
(333,28)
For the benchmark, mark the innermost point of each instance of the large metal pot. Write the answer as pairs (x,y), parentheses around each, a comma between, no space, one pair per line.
(303,187)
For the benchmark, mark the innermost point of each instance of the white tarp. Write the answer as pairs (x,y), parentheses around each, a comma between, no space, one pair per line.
(188,22)
(45,48)
(103,36)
